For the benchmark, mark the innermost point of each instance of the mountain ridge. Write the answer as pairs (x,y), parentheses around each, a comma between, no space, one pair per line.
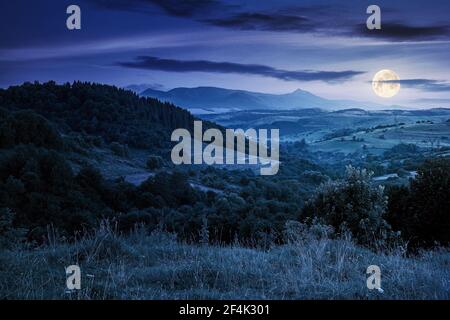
(206,98)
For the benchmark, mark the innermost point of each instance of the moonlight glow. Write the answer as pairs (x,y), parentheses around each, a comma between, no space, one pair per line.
(382,86)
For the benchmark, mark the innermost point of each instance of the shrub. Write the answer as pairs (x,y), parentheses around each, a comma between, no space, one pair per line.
(39,186)
(352,204)
(26,127)
(149,217)
(119,149)
(174,189)
(402,149)
(297,232)
(313,176)
(9,235)
(154,162)
(421,211)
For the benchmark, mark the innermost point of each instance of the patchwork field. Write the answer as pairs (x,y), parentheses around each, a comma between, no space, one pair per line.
(427,136)
(349,130)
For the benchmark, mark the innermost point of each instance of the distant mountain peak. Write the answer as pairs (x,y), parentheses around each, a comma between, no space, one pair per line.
(209,98)
(299,91)
(139,88)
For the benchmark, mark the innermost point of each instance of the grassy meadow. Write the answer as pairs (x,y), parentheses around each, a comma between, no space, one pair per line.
(157,266)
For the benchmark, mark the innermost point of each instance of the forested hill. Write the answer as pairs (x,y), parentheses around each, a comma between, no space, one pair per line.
(99,110)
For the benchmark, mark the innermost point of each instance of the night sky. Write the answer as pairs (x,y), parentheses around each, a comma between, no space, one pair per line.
(266,46)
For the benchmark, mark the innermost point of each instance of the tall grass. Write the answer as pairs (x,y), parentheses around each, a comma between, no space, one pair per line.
(157,266)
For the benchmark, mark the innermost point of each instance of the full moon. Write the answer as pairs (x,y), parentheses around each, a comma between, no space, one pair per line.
(381,85)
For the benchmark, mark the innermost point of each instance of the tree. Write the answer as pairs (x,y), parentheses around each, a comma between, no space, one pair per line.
(9,235)
(154,162)
(119,150)
(26,127)
(352,204)
(421,211)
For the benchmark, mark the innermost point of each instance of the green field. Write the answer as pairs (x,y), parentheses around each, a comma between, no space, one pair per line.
(427,136)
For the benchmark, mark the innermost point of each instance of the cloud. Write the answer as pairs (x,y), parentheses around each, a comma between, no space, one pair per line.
(154,63)
(395,31)
(423,84)
(326,20)
(186,8)
(222,14)
(263,21)
(437,101)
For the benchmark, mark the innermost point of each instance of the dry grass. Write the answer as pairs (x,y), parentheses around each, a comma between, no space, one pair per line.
(156,266)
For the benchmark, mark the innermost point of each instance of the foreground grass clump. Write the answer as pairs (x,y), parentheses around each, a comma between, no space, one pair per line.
(156,266)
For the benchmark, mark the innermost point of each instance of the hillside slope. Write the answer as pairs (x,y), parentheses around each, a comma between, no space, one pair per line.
(100,110)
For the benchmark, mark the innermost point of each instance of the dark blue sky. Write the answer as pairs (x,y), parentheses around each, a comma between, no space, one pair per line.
(267,46)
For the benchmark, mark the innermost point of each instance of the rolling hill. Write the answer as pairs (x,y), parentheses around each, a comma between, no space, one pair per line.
(114,114)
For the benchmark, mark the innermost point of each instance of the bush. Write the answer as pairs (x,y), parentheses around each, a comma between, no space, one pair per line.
(149,217)
(174,189)
(9,235)
(352,204)
(154,162)
(421,211)
(297,232)
(402,150)
(40,187)
(119,149)
(26,127)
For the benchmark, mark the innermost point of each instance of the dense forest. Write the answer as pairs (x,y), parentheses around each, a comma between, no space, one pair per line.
(42,124)
(108,112)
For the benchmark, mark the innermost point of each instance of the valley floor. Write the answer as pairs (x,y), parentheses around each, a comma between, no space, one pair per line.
(156,266)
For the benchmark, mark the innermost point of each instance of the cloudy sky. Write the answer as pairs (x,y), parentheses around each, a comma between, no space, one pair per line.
(266,46)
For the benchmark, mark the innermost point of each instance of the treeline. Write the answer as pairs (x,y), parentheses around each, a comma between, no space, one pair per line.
(115,114)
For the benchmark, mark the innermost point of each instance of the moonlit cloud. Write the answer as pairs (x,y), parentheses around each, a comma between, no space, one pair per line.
(185,8)
(395,31)
(423,84)
(171,65)
(265,21)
